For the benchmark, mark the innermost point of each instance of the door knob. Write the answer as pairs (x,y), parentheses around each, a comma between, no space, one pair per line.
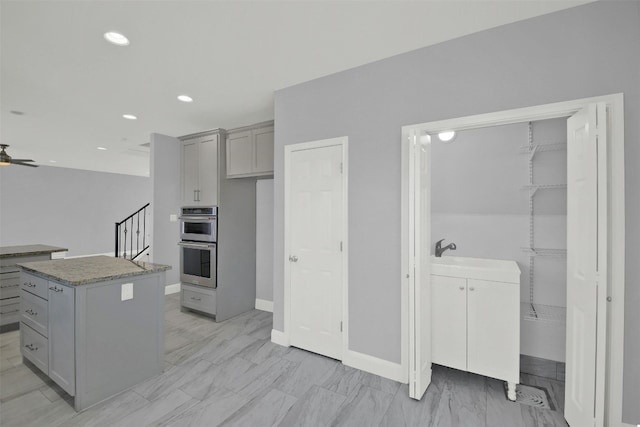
(293,258)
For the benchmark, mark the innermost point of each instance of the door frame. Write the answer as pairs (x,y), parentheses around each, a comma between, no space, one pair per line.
(342,142)
(613,375)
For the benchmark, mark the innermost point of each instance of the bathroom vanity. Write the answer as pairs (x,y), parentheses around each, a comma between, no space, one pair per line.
(475,313)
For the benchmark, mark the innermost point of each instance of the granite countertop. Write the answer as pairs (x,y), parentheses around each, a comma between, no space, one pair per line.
(27,250)
(86,270)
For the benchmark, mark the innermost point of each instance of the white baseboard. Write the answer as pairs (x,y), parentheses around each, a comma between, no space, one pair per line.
(172,289)
(264,305)
(279,337)
(374,365)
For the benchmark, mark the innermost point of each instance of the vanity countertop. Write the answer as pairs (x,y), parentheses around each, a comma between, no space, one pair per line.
(476,268)
(86,270)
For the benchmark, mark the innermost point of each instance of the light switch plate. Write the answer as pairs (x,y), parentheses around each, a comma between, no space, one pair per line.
(126,291)
(173,218)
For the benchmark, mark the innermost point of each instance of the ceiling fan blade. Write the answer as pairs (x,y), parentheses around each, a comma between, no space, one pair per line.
(23,164)
(21,160)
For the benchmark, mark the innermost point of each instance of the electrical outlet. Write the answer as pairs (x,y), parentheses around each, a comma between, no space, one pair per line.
(126,291)
(173,218)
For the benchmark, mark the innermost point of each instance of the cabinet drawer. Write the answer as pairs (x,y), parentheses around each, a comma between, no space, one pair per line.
(34,312)
(10,311)
(34,347)
(10,285)
(199,300)
(35,285)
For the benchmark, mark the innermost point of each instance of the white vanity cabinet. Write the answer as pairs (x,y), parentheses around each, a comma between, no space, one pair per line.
(250,151)
(199,156)
(475,311)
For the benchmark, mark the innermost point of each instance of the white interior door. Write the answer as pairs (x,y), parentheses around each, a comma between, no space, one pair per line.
(315,259)
(586,145)
(420,292)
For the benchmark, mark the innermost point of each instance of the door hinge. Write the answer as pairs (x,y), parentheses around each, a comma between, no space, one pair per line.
(340,245)
(341,326)
(341,167)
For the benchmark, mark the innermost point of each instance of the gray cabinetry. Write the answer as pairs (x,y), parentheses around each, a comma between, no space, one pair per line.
(61,335)
(250,151)
(200,170)
(93,334)
(10,283)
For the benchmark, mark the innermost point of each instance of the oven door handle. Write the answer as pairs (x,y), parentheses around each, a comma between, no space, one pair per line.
(197,218)
(197,245)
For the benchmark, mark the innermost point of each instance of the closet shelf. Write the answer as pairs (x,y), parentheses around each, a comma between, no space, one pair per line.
(536,187)
(543,313)
(546,252)
(531,150)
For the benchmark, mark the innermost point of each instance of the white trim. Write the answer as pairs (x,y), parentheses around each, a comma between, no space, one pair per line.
(288,150)
(172,289)
(616,229)
(264,305)
(279,337)
(374,365)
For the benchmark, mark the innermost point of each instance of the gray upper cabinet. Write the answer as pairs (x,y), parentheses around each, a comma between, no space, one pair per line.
(200,170)
(62,336)
(250,151)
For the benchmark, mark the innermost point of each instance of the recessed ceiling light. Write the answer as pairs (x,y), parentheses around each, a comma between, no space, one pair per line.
(116,38)
(129,116)
(185,98)
(101,148)
(52,161)
(447,136)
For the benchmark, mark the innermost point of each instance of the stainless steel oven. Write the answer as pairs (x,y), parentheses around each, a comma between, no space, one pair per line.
(199,224)
(198,256)
(198,263)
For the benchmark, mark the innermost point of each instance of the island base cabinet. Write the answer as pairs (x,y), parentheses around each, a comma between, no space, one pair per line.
(62,336)
(97,341)
(119,342)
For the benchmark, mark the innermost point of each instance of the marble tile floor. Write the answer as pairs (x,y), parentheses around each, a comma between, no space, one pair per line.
(230,374)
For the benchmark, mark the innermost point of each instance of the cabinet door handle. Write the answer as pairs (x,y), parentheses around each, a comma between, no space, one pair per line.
(196,299)
(31,312)
(31,347)
(29,285)
(471,288)
(55,289)
(10,286)
(461,288)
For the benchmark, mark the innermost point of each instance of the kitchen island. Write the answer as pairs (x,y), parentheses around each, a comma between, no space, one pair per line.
(10,277)
(94,325)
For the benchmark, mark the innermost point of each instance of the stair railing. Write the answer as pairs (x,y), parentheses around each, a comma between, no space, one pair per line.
(125,230)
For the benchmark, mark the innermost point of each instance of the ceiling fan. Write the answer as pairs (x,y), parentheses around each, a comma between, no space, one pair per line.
(6,159)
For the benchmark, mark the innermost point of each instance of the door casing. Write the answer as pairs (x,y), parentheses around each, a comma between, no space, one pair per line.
(288,149)
(614,331)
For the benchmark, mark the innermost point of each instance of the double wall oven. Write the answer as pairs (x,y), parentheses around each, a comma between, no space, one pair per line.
(198,255)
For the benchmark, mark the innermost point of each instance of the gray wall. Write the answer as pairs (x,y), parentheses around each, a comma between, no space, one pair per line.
(165,174)
(581,52)
(264,239)
(72,208)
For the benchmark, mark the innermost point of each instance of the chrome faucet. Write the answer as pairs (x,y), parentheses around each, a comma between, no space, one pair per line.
(440,249)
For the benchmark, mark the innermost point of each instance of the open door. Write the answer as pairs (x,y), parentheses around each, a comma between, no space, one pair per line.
(586,266)
(420,253)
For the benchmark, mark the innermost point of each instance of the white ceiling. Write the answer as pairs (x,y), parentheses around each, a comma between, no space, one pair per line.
(230,56)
